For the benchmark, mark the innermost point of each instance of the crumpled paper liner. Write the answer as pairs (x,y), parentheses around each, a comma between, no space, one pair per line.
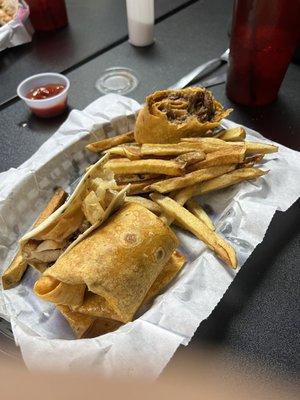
(17,31)
(143,347)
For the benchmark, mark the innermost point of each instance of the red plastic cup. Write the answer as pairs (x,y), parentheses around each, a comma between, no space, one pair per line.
(48,15)
(264,37)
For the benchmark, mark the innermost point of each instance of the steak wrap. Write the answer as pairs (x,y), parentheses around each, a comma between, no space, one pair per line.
(94,317)
(117,264)
(170,115)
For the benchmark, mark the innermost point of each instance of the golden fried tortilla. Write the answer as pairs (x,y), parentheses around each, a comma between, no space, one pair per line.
(51,289)
(120,260)
(96,306)
(101,326)
(170,115)
(101,318)
(79,323)
(169,272)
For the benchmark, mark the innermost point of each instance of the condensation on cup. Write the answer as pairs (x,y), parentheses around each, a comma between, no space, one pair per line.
(140,17)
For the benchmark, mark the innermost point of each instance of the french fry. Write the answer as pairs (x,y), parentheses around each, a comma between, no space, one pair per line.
(191,157)
(147,203)
(151,149)
(248,164)
(256,158)
(98,147)
(198,228)
(150,166)
(260,148)
(225,156)
(201,175)
(232,134)
(121,179)
(138,188)
(207,144)
(131,152)
(14,272)
(18,266)
(251,160)
(199,212)
(55,202)
(117,160)
(220,182)
(92,208)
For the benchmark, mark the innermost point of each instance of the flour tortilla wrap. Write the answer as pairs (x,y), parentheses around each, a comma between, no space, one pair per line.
(101,326)
(94,317)
(50,289)
(85,326)
(79,323)
(97,306)
(119,260)
(170,115)
(169,272)
(67,220)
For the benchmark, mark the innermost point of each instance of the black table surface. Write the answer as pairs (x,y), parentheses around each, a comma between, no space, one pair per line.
(94,27)
(259,314)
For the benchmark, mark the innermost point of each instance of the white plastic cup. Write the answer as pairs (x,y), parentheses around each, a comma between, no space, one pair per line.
(45,107)
(140,19)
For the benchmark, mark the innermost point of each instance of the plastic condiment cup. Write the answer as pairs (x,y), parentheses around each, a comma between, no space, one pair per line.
(51,106)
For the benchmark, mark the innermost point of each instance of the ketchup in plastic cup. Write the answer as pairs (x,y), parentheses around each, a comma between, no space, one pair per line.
(264,37)
(48,15)
(45,94)
(45,91)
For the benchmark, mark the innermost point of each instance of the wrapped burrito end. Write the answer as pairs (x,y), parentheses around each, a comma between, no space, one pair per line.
(50,289)
(170,115)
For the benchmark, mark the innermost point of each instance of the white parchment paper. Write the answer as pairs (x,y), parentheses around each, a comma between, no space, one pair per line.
(241,213)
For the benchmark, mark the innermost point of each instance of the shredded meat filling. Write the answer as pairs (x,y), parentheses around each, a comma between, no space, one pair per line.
(179,107)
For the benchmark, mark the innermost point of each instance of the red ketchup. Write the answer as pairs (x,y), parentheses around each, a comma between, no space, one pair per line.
(46,92)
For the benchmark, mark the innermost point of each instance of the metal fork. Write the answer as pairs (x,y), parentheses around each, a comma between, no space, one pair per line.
(201,70)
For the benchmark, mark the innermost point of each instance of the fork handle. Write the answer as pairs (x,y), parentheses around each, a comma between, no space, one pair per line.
(197,73)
